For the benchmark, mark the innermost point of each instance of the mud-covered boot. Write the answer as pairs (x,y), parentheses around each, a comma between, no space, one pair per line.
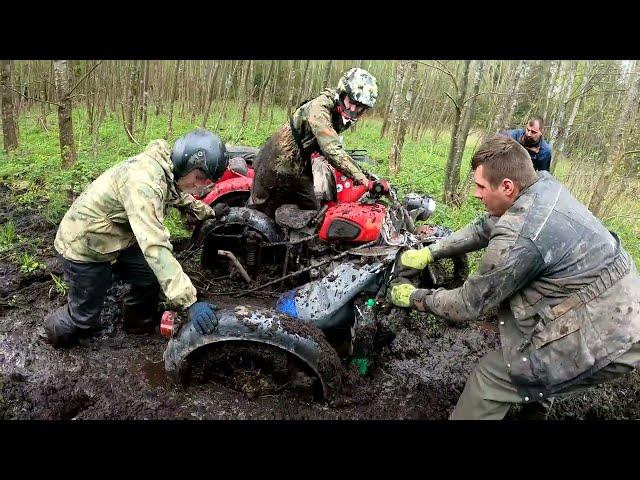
(140,318)
(59,329)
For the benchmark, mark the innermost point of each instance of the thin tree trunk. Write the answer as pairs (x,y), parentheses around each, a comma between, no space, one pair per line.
(550,92)
(463,135)
(450,183)
(290,83)
(213,75)
(248,91)
(395,96)
(227,90)
(134,79)
(615,153)
(558,125)
(400,109)
(303,83)
(263,89)
(9,133)
(174,96)
(145,98)
(65,120)
(558,147)
(273,93)
(504,119)
(327,73)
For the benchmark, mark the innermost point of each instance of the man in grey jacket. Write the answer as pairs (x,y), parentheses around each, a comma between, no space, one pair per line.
(568,294)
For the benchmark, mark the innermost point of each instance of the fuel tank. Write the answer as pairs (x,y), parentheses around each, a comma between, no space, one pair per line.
(353,222)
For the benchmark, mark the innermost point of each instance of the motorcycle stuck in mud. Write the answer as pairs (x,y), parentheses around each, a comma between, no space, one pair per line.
(335,262)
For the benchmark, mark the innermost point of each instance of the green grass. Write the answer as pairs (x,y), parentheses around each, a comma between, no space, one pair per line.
(36,165)
(8,235)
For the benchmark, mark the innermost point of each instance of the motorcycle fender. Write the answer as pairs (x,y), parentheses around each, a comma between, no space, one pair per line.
(237,184)
(262,326)
(258,221)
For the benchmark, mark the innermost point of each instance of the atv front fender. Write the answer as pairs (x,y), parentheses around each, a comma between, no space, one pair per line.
(254,219)
(299,339)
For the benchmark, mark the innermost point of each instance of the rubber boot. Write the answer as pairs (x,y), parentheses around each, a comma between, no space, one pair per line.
(59,329)
(140,318)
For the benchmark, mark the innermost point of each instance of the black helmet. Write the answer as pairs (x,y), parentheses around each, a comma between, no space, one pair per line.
(199,149)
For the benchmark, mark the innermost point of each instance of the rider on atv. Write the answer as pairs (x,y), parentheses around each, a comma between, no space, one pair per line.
(283,167)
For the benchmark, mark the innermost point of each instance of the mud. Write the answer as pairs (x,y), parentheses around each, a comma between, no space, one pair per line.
(418,371)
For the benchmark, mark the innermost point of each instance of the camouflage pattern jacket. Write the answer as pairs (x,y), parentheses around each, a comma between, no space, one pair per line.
(128,203)
(568,294)
(318,126)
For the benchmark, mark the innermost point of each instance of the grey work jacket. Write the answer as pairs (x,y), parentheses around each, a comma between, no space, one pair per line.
(568,294)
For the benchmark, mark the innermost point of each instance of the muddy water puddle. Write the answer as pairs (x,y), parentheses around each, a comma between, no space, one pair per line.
(155,374)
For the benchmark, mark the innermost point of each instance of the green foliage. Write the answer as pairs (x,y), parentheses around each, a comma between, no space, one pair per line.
(29,264)
(52,189)
(59,285)
(176,225)
(8,235)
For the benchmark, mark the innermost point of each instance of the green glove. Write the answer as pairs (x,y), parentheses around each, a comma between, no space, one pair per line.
(401,294)
(417,259)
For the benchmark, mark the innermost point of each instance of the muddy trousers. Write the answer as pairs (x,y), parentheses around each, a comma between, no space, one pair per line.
(88,284)
(489,392)
(271,190)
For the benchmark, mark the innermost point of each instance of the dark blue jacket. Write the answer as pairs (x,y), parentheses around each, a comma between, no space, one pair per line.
(542,159)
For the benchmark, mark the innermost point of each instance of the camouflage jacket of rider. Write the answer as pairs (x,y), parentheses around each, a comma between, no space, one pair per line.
(568,295)
(318,125)
(128,203)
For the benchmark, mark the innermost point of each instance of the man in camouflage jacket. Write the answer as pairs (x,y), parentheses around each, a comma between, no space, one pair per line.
(116,226)
(283,167)
(568,294)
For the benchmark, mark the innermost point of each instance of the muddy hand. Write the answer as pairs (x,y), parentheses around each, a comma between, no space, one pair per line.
(409,263)
(380,187)
(399,292)
(203,317)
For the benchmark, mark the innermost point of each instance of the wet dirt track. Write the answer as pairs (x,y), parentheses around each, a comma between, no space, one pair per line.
(419,373)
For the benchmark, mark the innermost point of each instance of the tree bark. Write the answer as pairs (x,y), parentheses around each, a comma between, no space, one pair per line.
(390,115)
(558,124)
(290,83)
(144,102)
(9,132)
(402,103)
(248,91)
(263,89)
(212,83)
(504,119)
(174,96)
(615,153)
(134,79)
(65,121)
(558,147)
(450,182)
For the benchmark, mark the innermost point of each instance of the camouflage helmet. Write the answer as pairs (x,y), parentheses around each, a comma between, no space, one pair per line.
(360,85)
(199,149)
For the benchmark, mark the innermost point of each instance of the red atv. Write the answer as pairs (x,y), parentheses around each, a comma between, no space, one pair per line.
(302,241)
(341,255)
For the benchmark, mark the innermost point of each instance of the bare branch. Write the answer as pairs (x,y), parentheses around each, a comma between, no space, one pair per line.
(82,95)
(454,102)
(33,98)
(445,71)
(83,77)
